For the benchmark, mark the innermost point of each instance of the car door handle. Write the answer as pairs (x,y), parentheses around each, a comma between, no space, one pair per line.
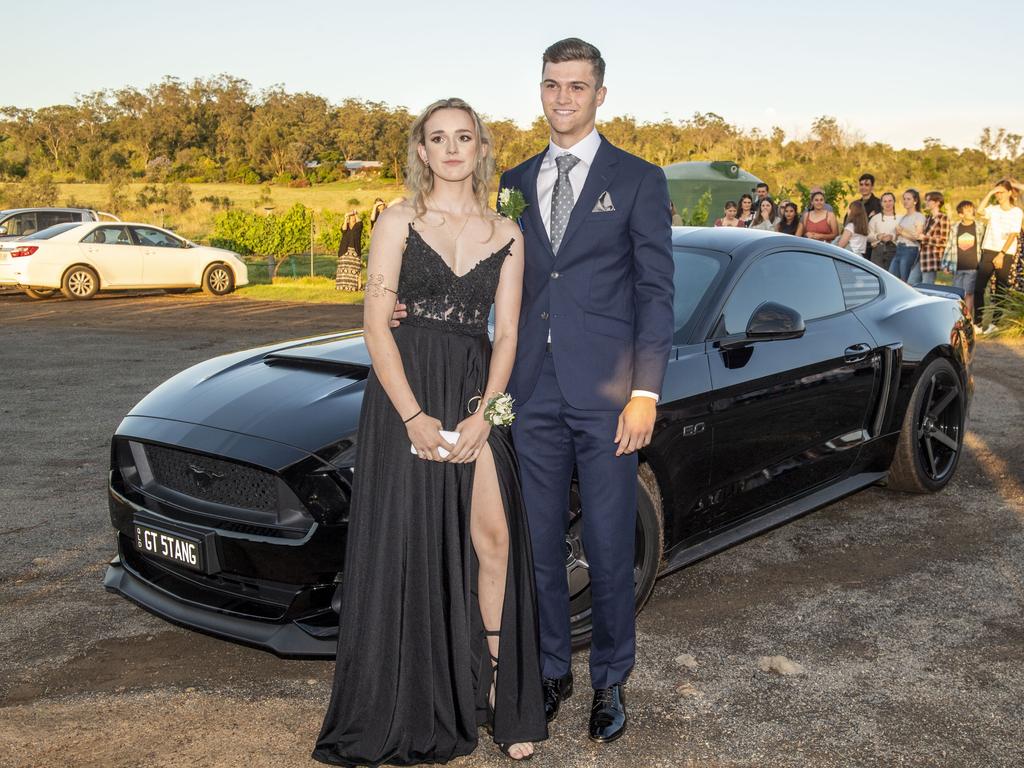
(856,352)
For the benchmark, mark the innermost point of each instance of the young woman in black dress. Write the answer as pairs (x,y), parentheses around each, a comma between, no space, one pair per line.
(438,627)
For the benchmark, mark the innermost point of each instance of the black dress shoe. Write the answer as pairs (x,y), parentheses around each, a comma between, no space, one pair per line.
(556,689)
(608,714)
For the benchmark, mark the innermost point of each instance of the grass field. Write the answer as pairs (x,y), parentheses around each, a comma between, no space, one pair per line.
(197,222)
(316,290)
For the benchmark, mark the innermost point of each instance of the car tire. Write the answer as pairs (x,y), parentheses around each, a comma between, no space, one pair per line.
(80,282)
(931,440)
(38,293)
(218,280)
(648,549)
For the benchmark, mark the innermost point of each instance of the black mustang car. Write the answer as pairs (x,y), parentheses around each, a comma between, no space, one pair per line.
(800,373)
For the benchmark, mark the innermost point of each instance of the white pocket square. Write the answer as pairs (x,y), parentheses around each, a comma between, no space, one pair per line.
(604,204)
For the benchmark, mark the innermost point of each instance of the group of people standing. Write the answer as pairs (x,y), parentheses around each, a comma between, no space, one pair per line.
(982,242)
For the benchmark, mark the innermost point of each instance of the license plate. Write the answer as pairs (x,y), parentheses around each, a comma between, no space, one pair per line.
(170,546)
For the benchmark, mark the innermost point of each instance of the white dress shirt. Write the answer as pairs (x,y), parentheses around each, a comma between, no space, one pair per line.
(585,149)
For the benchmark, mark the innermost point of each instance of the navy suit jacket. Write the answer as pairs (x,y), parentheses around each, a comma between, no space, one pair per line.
(607,295)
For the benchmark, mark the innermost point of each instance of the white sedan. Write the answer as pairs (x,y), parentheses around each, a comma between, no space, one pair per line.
(80,259)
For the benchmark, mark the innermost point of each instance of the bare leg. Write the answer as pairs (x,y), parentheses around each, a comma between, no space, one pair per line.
(489,532)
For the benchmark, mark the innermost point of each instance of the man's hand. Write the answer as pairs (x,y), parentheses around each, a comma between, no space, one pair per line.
(398,314)
(636,425)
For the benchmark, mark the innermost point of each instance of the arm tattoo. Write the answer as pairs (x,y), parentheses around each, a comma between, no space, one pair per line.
(375,286)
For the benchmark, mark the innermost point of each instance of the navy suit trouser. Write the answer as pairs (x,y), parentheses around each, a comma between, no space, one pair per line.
(550,437)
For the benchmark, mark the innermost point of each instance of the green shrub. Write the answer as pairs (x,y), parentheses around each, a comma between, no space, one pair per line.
(1012,304)
(250,233)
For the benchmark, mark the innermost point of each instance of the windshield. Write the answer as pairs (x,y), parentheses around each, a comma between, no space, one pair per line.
(56,229)
(694,275)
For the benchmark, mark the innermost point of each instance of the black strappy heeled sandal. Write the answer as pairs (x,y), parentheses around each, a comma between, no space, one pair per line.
(490,707)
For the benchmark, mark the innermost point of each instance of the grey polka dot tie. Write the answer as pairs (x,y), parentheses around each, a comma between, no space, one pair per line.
(561,199)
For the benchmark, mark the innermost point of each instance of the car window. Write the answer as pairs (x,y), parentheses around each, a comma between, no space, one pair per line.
(155,238)
(56,229)
(859,285)
(21,224)
(805,282)
(46,219)
(694,274)
(108,236)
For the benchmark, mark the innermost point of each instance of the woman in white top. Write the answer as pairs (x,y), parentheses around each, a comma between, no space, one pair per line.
(882,232)
(855,231)
(1002,228)
(766,217)
(909,230)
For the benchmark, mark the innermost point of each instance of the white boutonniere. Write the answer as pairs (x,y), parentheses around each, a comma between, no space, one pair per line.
(499,410)
(511,203)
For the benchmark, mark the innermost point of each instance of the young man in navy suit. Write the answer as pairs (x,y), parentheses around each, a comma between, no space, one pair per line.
(595,331)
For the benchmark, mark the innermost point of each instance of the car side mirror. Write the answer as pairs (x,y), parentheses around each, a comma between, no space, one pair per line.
(768,322)
(772,322)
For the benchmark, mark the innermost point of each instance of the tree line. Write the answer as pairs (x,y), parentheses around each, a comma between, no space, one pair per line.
(221,129)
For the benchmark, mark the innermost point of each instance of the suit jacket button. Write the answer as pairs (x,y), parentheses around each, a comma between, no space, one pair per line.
(543,315)
(555,275)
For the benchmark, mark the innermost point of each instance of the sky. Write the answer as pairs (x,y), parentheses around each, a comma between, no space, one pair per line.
(888,71)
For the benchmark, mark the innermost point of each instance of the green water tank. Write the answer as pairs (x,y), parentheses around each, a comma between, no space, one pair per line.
(723,178)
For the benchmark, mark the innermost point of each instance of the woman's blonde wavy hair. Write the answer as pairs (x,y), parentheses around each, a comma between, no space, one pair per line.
(419,179)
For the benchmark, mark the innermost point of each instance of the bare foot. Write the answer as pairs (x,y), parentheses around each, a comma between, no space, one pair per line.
(520,751)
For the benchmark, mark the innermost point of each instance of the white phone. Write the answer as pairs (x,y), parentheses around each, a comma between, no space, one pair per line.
(451,437)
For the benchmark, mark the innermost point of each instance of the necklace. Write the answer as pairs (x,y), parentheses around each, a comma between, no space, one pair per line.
(461,229)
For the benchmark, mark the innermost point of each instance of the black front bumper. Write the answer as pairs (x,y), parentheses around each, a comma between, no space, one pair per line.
(270,593)
(288,639)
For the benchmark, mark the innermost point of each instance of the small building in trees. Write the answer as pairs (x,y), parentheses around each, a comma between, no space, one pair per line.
(724,179)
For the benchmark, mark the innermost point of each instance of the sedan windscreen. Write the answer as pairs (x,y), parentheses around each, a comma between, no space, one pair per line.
(56,229)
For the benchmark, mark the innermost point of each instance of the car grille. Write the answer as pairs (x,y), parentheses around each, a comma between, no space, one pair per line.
(213,480)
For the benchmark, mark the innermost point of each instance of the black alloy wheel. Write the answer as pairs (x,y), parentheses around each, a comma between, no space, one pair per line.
(38,293)
(647,553)
(931,440)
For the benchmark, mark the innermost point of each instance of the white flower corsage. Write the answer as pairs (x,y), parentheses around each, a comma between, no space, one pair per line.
(511,203)
(499,410)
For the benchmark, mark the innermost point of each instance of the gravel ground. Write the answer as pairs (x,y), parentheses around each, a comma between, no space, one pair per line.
(900,618)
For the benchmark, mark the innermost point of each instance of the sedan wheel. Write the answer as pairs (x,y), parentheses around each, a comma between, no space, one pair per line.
(80,283)
(38,293)
(218,280)
(647,552)
(931,440)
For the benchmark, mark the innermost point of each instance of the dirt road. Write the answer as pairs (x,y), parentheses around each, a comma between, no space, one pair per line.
(905,613)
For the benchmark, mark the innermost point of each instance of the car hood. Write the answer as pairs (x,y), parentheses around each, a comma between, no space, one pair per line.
(305,393)
(221,252)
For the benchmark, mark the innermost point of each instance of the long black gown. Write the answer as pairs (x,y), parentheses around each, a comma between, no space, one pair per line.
(413,673)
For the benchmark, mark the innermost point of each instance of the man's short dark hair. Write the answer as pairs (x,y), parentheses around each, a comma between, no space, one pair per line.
(867,177)
(761,184)
(574,49)
(963,204)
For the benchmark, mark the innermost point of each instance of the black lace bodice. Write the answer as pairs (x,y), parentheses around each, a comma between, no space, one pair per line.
(435,297)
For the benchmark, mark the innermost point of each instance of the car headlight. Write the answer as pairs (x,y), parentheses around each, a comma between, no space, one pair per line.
(325,494)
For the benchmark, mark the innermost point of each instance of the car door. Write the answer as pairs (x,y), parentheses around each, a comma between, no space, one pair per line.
(680,451)
(45,219)
(165,260)
(118,260)
(788,415)
(19,224)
